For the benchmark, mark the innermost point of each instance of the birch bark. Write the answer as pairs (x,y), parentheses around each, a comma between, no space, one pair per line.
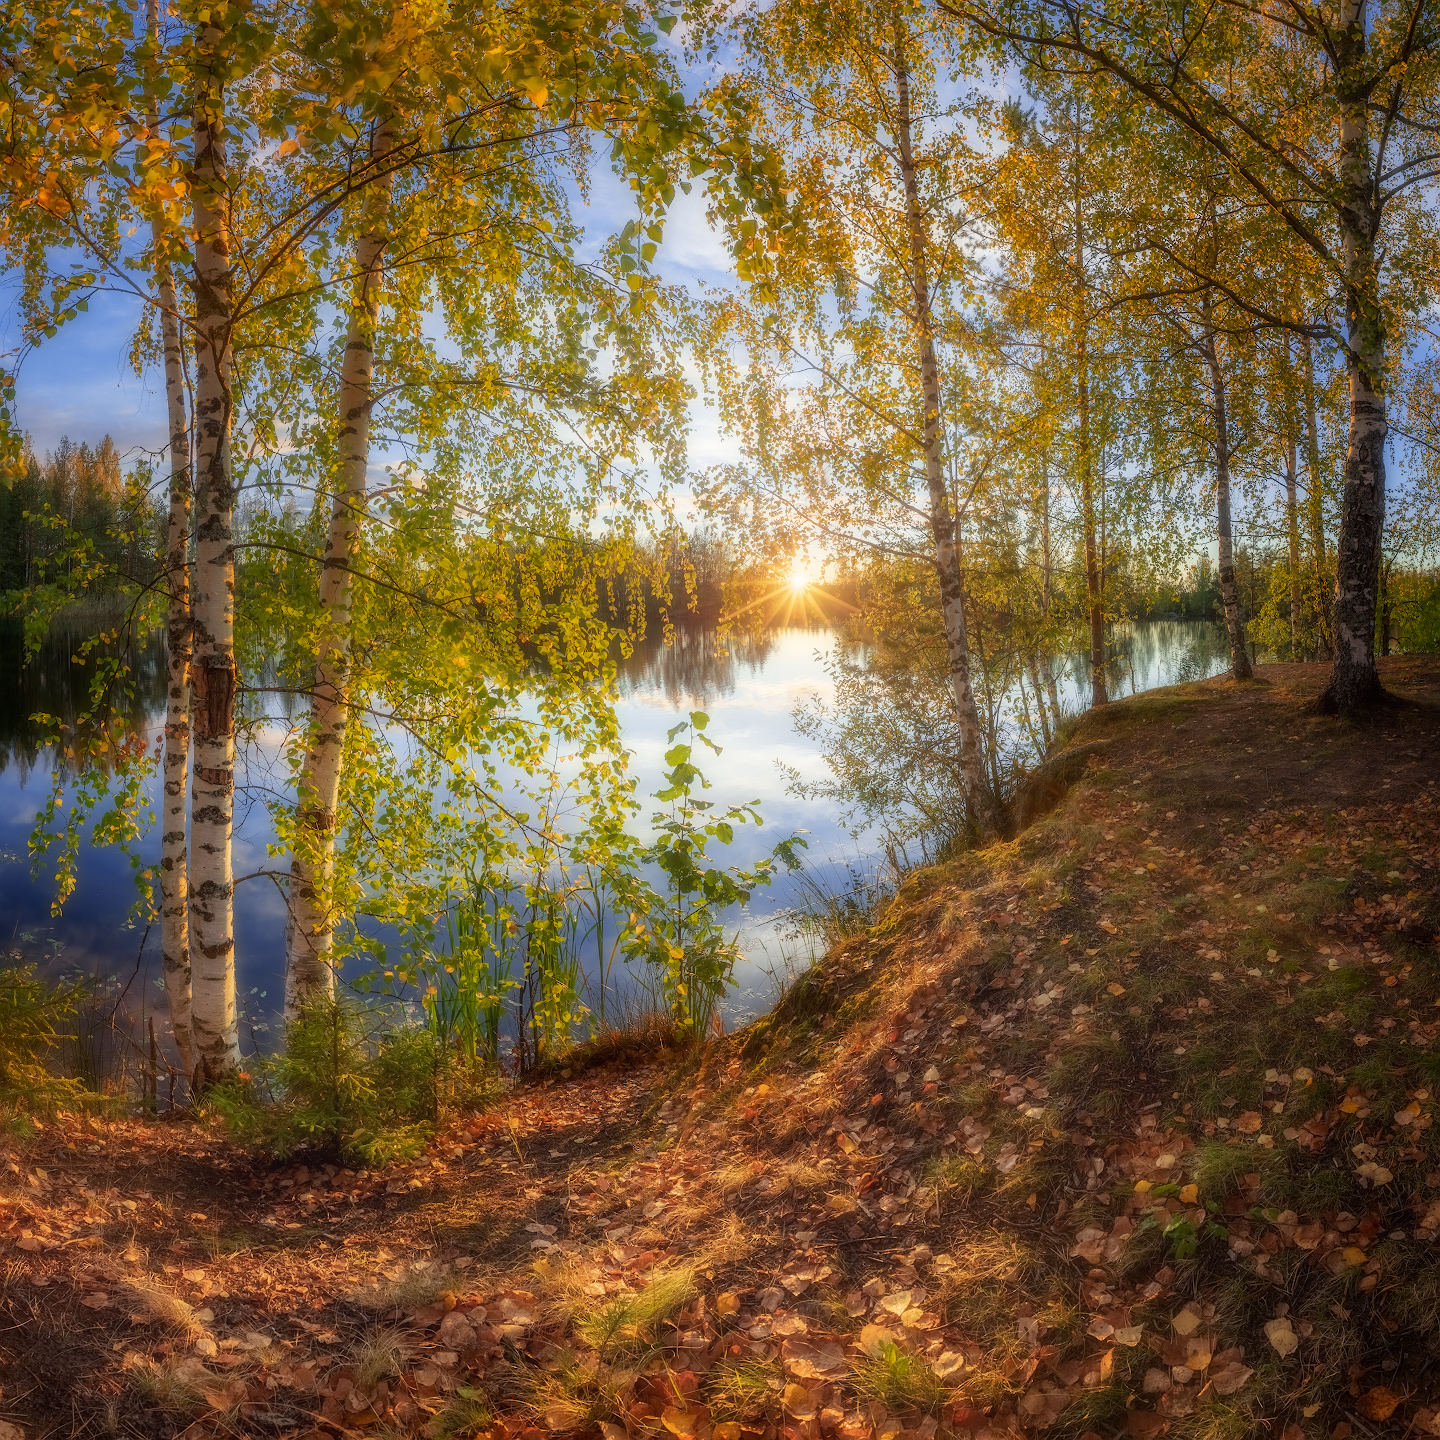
(175,759)
(1292,509)
(980,800)
(310,932)
(212,897)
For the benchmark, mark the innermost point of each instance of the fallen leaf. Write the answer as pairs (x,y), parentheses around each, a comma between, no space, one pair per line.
(799,1402)
(1281,1335)
(875,1338)
(96,1300)
(811,1359)
(1229,1378)
(727,1303)
(1186,1322)
(1143,1424)
(1378,1403)
(1249,1122)
(949,1364)
(1128,1334)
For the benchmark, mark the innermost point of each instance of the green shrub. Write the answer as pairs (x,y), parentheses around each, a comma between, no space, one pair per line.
(35,1018)
(350,1082)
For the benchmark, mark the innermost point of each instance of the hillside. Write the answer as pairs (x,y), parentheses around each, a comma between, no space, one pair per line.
(1125,1125)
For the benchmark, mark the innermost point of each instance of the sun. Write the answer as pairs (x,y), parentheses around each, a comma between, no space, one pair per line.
(799,577)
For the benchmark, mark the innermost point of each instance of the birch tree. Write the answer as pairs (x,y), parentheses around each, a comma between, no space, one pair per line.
(1324,116)
(883,167)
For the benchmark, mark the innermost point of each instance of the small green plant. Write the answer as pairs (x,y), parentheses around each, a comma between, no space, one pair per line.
(683,937)
(349,1082)
(36,1019)
(628,1323)
(900,1380)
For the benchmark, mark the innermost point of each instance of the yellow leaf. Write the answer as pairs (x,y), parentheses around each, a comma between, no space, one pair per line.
(1115,989)
(727,1303)
(1189,1194)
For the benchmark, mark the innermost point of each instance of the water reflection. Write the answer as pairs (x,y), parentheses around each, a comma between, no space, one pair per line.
(697,665)
(750,682)
(52,682)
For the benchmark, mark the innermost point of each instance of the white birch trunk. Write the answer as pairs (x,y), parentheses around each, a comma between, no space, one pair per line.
(175,761)
(980,800)
(310,932)
(1292,510)
(212,897)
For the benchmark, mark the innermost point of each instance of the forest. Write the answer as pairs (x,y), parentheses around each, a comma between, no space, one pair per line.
(1037,322)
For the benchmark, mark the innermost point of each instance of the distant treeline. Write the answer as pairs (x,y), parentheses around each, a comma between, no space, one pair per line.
(702,578)
(76,508)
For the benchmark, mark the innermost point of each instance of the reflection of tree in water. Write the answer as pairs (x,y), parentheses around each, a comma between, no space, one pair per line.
(1170,652)
(696,666)
(52,684)
(1148,654)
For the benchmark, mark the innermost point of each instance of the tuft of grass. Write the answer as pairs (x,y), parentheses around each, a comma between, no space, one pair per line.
(576,1394)
(417,1286)
(899,1380)
(379,1355)
(743,1389)
(1217,1167)
(174,1389)
(464,1414)
(628,1323)
(1094,1410)
(165,1306)
(957,1178)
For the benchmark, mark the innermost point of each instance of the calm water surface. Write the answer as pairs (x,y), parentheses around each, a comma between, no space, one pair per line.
(748,685)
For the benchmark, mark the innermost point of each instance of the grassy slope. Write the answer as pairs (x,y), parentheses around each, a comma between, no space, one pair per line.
(1123,1124)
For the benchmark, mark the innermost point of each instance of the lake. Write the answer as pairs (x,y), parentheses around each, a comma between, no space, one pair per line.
(749,685)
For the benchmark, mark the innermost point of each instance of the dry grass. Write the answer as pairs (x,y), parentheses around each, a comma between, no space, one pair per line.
(575,1393)
(164,1305)
(175,1388)
(744,1389)
(418,1285)
(381,1354)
